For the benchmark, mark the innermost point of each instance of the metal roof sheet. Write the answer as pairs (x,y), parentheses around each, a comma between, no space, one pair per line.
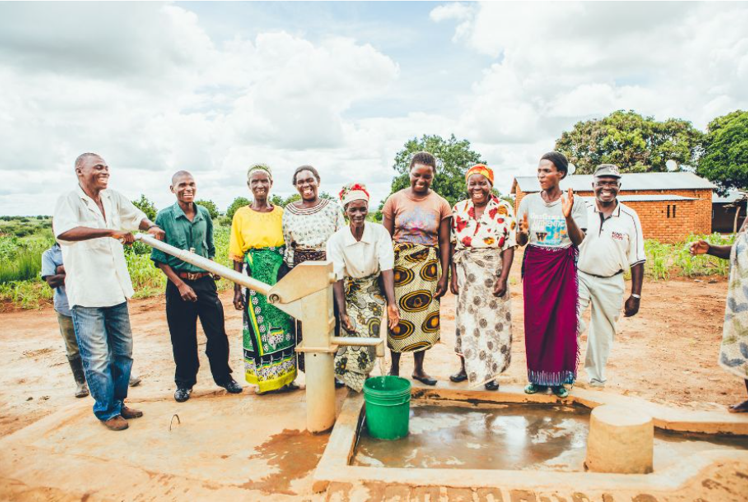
(648,198)
(632,181)
(729,198)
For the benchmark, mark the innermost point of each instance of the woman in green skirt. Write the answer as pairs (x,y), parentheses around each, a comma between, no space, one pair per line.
(257,242)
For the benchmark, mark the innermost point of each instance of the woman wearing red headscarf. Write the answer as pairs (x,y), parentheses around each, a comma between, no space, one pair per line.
(483,230)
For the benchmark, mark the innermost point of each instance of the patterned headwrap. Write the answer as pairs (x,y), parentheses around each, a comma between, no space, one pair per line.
(353,191)
(480,169)
(260,167)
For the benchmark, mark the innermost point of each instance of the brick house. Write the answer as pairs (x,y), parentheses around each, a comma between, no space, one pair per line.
(670,205)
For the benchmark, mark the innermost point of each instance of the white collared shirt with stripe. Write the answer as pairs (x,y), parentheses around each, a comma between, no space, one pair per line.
(96,270)
(357,259)
(612,244)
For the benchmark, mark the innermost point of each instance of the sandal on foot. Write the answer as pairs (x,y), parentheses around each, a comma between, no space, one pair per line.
(531,388)
(739,408)
(425,380)
(492,385)
(458,377)
(560,391)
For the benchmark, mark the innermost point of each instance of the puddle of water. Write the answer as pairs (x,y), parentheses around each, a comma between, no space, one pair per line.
(528,437)
(294,453)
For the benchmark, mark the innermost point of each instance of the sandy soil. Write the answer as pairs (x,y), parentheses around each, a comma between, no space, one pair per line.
(667,353)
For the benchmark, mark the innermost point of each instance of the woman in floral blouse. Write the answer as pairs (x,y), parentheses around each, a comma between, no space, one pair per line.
(483,249)
(307,226)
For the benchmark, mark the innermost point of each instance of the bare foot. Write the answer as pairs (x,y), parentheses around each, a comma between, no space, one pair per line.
(739,408)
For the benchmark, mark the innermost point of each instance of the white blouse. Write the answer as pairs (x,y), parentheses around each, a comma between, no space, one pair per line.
(357,259)
(310,228)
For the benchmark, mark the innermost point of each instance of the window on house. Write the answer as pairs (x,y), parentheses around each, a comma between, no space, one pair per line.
(671,211)
(668,210)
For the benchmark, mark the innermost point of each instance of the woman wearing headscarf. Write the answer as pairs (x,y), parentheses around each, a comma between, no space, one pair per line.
(307,226)
(553,225)
(418,220)
(733,353)
(483,233)
(363,260)
(257,241)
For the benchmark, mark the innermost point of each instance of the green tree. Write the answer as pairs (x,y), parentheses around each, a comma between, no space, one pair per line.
(725,158)
(454,157)
(238,202)
(210,206)
(634,143)
(145,205)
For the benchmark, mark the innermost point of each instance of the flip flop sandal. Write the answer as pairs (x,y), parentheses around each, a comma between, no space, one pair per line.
(425,380)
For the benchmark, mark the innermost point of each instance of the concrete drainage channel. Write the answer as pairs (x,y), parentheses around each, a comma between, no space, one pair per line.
(530,444)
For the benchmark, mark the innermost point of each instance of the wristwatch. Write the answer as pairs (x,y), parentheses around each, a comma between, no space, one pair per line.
(638,297)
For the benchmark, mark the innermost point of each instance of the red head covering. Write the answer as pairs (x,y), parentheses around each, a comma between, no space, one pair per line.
(480,169)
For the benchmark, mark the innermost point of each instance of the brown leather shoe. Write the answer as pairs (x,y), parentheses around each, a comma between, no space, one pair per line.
(116,423)
(130,413)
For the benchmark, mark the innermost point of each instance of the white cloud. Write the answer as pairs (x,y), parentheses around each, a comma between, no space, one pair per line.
(147,87)
(144,86)
(558,63)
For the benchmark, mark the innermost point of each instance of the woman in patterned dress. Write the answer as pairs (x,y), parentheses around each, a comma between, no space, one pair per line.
(363,259)
(257,241)
(483,239)
(307,226)
(418,220)
(733,355)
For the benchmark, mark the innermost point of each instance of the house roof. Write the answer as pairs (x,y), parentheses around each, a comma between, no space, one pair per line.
(646,198)
(632,181)
(729,198)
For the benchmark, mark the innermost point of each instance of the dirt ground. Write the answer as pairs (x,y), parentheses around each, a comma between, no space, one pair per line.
(667,354)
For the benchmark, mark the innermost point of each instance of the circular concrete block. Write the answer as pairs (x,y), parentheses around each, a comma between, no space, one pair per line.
(621,440)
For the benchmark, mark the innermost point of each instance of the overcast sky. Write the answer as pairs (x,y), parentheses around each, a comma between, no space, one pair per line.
(215,87)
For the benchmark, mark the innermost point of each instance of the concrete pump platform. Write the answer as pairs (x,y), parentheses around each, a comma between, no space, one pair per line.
(245,447)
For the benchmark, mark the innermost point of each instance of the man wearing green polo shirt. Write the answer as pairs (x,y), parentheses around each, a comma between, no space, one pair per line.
(191,291)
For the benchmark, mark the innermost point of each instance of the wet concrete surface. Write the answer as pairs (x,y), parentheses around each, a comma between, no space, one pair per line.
(510,437)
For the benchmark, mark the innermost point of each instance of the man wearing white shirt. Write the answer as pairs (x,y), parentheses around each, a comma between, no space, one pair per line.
(614,243)
(92,223)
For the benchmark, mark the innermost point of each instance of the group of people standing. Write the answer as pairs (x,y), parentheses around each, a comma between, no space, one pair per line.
(394,272)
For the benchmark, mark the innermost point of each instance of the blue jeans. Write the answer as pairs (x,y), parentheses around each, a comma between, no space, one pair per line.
(105,344)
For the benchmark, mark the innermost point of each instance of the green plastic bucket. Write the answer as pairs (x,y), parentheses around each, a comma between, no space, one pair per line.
(387,406)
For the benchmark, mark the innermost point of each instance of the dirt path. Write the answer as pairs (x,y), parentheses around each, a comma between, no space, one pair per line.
(667,353)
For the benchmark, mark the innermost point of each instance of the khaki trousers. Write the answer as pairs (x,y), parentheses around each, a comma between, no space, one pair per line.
(67,330)
(606,297)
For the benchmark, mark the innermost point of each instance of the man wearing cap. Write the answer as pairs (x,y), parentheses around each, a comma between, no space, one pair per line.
(614,243)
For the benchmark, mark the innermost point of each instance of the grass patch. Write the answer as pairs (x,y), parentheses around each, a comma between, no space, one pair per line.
(21,286)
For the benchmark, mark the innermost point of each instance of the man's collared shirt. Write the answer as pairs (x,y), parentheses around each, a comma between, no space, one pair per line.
(51,259)
(612,244)
(96,270)
(357,259)
(195,235)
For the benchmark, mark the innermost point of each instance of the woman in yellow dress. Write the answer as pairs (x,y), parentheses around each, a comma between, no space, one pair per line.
(257,241)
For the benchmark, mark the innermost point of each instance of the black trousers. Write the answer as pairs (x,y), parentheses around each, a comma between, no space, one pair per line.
(182,319)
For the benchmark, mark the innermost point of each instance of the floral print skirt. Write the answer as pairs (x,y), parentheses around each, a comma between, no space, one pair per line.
(484,322)
(364,304)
